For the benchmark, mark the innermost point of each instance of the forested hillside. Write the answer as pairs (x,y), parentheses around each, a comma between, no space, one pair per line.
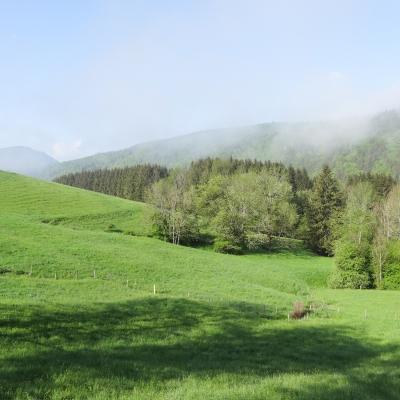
(348,146)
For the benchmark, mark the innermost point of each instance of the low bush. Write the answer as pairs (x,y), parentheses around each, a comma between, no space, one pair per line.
(340,279)
(223,246)
(392,267)
(258,241)
(353,266)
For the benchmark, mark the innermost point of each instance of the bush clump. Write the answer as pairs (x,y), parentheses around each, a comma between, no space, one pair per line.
(225,247)
(258,241)
(352,266)
(340,279)
(392,267)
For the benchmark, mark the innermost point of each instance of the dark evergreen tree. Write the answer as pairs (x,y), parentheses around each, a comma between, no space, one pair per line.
(381,183)
(326,203)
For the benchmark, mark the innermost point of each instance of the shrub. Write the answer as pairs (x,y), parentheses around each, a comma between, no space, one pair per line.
(353,266)
(258,241)
(392,267)
(340,279)
(223,246)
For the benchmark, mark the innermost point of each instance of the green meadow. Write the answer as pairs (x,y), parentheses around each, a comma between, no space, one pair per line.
(93,307)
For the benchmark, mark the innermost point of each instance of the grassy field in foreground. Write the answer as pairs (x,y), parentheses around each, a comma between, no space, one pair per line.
(216,328)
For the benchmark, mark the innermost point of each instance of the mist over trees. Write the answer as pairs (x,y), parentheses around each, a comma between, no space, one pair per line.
(348,146)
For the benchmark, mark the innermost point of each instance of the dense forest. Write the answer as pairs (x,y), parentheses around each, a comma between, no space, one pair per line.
(237,206)
(129,183)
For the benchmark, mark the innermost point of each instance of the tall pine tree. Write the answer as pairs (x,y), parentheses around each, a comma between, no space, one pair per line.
(326,203)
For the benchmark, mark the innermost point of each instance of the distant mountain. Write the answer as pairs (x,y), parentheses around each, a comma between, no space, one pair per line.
(349,146)
(26,161)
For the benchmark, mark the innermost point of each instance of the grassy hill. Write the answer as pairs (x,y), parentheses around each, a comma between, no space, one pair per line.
(79,318)
(349,146)
(56,229)
(40,201)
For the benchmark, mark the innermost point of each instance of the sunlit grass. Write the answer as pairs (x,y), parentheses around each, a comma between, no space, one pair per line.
(79,318)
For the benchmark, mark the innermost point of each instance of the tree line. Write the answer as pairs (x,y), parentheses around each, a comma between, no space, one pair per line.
(129,183)
(367,248)
(248,205)
(251,206)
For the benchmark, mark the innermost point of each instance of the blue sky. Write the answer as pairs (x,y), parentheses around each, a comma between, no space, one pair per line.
(80,77)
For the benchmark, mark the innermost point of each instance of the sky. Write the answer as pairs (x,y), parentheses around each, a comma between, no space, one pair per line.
(79,77)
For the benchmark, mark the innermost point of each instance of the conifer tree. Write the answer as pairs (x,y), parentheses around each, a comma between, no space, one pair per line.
(326,203)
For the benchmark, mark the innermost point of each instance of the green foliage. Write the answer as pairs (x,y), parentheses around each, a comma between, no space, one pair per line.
(255,207)
(392,266)
(325,204)
(225,247)
(175,217)
(353,252)
(129,183)
(381,183)
(258,241)
(349,280)
(352,266)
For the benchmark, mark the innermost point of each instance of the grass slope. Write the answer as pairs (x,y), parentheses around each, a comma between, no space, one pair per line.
(217,327)
(52,203)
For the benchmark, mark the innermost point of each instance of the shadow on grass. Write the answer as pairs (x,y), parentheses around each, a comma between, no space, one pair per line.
(156,340)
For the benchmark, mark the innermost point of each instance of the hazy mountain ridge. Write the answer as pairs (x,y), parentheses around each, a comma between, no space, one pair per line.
(349,146)
(25,161)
